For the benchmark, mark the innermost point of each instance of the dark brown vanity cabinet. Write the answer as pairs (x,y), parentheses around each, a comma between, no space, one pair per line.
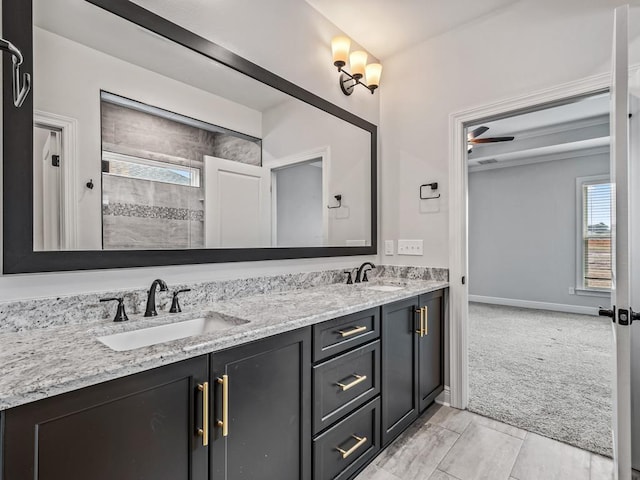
(412,366)
(430,347)
(346,394)
(145,426)
(319,402)
(261,409)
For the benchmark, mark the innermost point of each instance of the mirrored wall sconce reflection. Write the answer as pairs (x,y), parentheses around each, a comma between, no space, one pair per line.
(367,75)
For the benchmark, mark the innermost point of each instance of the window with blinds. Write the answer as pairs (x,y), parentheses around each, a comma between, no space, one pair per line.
(596,235)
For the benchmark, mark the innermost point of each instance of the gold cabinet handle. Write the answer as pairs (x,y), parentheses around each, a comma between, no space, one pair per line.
(224,423)
(347,453)
(420,331)
(359,379)
(204,431)
(426,321)
(353,331)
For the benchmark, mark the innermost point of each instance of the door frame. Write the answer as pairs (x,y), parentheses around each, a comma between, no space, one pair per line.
(324,154)
(458,221)
(68,175)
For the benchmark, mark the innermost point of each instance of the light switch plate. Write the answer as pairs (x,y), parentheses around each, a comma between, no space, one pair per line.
(388,247)
(410,247)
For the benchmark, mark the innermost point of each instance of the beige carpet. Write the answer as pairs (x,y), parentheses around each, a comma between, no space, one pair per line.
(546,372)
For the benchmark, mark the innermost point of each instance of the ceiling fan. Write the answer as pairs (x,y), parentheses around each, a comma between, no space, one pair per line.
(472,138)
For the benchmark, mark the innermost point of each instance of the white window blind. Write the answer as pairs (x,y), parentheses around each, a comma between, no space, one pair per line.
(596,235)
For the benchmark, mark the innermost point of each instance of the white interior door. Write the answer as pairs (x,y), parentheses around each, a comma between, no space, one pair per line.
(237,204)
(51,192)
(621,243)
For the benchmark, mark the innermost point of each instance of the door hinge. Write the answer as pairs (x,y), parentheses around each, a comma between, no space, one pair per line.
(55,160)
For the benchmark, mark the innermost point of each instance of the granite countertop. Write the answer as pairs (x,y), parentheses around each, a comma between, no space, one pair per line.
(43,362)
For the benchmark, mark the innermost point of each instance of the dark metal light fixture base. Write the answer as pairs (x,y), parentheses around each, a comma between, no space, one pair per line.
(347,84)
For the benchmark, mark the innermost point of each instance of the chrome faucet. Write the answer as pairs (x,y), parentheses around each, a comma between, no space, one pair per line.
(361,276)
(151,298)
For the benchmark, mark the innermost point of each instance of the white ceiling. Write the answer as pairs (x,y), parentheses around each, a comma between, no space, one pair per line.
(588,107)
(583,123)
(93,27)
(385,27)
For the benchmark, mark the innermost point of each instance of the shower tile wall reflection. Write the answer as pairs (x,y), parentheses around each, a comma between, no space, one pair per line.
(164,206)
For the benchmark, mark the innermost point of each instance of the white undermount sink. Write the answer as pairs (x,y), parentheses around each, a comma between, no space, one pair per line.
(144,337)
(384,288)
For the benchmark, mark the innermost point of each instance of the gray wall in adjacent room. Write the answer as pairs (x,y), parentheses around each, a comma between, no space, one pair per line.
(522,231)
(299,206)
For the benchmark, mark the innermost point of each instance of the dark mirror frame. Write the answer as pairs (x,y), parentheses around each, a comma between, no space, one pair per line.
(18,254)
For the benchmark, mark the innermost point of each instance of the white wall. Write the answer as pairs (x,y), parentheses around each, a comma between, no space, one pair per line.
(522,231)
(287,132)
(68,78)
(261,32)
(525,47)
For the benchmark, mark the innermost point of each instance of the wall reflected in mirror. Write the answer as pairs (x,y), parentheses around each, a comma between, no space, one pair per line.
(180,151)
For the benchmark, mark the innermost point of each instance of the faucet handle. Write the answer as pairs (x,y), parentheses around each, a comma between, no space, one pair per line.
(349,279)
(175,305)
(364,275)
(121,315)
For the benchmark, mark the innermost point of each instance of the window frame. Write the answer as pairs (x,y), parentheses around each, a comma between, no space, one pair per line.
(581,288)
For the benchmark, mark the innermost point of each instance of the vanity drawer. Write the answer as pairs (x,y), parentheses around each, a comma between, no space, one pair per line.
(344,383)
(347,446)
(341,334)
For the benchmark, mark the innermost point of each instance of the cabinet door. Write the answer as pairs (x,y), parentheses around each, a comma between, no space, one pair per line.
(141,427)
(399,368)
(431,348)
(268,410)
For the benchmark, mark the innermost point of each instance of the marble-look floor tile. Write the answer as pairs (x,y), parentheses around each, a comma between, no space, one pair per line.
(440,475)
(374,473)
(417,452)
(452,418)
(482,453)
(499,426)
(541,457)
(601,468)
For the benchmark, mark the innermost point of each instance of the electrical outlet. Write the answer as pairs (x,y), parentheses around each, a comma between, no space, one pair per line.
(388,247)
(572,291)
(410,247)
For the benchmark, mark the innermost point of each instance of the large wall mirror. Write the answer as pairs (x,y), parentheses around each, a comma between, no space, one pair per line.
(149,145)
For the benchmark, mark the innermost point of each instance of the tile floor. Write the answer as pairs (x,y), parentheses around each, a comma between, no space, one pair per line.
(450,444)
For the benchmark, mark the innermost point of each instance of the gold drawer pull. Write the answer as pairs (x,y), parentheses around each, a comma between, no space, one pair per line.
(426,321)
(353,331)
(359,379)
(420,331)
(204,431)
(224,423)
(347,453)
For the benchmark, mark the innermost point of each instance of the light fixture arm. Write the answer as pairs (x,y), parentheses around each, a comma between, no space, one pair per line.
(348,82)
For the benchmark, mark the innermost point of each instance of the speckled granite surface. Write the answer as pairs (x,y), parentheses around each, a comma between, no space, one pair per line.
(86,308)
(36,363)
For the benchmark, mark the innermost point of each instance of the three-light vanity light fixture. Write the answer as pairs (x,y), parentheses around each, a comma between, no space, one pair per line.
(358,65)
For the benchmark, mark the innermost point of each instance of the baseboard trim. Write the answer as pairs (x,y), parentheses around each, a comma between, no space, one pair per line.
(445,397)
(556,307)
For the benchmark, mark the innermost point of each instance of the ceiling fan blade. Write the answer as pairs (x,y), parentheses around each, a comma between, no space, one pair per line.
(477,132)
(491,140)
